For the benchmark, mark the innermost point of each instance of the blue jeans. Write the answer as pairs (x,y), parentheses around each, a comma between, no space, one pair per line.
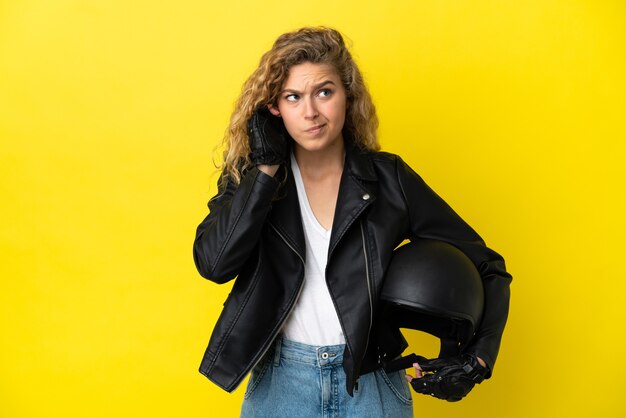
(300,380)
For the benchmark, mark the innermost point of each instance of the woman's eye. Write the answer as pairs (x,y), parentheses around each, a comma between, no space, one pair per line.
(325,93)
(291,97)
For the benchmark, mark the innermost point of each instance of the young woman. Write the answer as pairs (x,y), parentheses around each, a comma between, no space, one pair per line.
(306,218)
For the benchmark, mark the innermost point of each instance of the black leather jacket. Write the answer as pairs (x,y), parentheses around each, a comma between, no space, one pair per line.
(254,233)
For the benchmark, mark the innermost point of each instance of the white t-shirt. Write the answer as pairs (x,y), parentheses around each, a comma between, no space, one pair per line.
(313,320)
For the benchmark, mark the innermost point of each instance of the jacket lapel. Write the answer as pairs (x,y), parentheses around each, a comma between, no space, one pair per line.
(354,193)
(286,216)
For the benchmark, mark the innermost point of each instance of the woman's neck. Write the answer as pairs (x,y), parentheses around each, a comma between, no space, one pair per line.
(316,165)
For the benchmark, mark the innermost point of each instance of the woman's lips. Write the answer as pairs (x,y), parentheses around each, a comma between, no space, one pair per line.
(315,129)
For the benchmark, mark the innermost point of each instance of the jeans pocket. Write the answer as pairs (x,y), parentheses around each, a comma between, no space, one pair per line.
(257,375)
(398,385)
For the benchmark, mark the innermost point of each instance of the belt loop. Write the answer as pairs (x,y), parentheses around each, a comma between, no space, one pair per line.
(277,347)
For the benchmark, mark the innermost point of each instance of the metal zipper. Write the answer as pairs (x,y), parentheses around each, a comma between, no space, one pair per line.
(291,308)
(369,287)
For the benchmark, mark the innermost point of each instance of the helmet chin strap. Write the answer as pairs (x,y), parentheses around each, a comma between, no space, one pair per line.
(401,363)
(450,346)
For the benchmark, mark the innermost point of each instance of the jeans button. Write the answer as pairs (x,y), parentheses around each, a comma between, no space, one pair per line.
(325,356)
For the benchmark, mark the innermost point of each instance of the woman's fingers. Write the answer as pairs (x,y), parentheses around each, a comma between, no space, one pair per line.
(418,373)
(418,370)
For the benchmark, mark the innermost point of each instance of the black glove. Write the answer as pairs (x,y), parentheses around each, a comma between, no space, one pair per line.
(449,378)
(267,137)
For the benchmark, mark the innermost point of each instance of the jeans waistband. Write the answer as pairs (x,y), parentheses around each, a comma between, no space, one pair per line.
(307,354)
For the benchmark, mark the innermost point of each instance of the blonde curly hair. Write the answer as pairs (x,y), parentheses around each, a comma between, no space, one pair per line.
(318,45)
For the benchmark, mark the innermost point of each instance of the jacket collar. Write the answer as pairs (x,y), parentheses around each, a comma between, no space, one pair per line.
(357,161)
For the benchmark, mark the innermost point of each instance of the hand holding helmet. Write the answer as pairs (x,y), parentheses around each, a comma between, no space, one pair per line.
(450,379)
(433,287)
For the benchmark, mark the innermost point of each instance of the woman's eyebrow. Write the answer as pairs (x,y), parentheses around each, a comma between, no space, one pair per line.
(315,87)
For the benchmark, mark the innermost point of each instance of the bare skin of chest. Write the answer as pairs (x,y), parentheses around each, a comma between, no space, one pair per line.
(322,195)
(321,192)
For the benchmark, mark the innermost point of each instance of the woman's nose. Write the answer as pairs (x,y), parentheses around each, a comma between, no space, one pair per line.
(310,110)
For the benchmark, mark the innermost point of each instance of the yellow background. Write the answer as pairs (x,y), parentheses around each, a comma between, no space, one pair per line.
(109,113)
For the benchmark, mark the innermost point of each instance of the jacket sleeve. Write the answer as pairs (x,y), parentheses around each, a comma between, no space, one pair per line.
(431,217)
(227,236)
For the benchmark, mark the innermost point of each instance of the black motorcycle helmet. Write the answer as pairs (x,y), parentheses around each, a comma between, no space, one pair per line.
(434,287)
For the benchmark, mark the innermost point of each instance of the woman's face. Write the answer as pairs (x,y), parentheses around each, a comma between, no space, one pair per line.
(312,104)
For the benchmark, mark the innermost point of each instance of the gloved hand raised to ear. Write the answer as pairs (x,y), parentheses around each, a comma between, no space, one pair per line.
(450,379)
(268,138)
